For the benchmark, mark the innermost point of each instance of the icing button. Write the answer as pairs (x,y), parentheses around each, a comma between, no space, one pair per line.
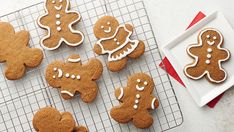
(59,28)
(138,96)
(58,23)
(209,50)
(73,76)
(207,61)
(135,106)
(208,56)
(78,77)
(58,16)
(136,101)
(67,75)
(115,39)
(54,77)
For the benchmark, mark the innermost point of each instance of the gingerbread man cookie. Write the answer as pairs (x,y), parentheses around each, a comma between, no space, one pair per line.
(208,56)
(58,21)
(136,99)
(73,77)
(114,40)
(15,52)
(49,119)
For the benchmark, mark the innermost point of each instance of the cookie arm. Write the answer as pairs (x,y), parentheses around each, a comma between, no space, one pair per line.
(67,120)
(129,27)
(194,50)
(22,37)
(224,54)
(152,103)
(95,68)
(120,93)
(97,49)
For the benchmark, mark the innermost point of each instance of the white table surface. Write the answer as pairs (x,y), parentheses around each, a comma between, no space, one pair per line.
(170,18)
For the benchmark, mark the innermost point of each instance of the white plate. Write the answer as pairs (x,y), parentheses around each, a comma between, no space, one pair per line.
(202,90)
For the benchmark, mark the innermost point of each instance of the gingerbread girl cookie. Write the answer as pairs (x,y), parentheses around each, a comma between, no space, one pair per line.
(114,40)
(49,119)
(73,77)
(58,21)
(136,99)
(208,56)
(15,52)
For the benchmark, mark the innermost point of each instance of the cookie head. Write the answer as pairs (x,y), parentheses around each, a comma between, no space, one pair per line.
(56,5)
(105,27)
(141,82)
(211,37)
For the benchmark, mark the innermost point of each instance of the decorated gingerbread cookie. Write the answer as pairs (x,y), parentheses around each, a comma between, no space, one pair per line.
(49,119)
(136,99)
(114,40)
(74,77)
(15,52)
(58,21)
(208,55)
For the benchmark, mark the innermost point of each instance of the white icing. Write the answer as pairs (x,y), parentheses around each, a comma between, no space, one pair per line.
(140,88)
(138,96)
(55,69)
(214,37)
(73,76)
(58,8)
(69,26)
(135,106)
(60,1)
(129,50)
(108,23)
(211,42)
(54,77)
(53,1)
(78,77)
(102,27)
(115,39)
(74,60)
(60,73)
(209,50)
(138,80)
(108,30)
(208,36)
(207,61)
(145,83)
(67,75)
(152,103)
(118,43)
(208,56)
(136,101)
(57,16)
(121,93)
(58,23)
(59,28)
(67,92)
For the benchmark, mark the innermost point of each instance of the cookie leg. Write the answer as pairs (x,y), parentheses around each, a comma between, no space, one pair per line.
(116,66)
(195,72)
(33,57)
(217,75)
(138,51)
(73,39)
(52,42)
(121,115)
(88,92)
(14,71)
(143,120)
(80,129)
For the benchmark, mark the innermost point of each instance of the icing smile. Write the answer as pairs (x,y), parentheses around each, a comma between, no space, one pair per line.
(58,7)
(140,88)
(211,42)
(108,30)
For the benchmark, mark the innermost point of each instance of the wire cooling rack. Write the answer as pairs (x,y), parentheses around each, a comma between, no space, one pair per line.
(19,100)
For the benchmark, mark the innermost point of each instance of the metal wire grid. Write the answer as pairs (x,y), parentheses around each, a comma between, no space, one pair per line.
(19,100)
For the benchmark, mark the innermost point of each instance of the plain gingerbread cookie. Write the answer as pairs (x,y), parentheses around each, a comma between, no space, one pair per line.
(74,77)
(49,119)
(15,52)
(58,21)
(136,99)
(114,40)
(208,55)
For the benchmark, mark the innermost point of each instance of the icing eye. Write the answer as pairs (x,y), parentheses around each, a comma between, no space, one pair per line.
(108,23)
(214,37)
(102,27)
(145,83)
(53,1)
(208,36)
(138,80)
(60,1)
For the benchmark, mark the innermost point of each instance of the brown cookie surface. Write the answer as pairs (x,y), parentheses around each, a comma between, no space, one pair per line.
(49,119)
(15,52)
(74,77)
(114,40)
(135,101)
(208,55)
(58,21)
